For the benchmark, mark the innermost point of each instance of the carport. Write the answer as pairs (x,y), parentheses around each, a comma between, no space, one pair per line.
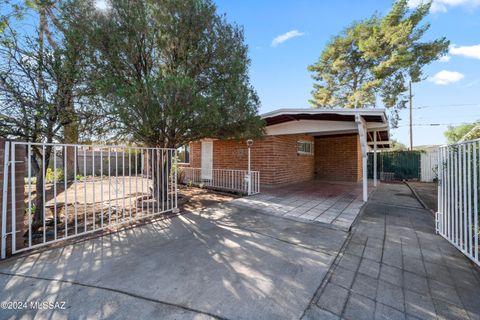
(340,139)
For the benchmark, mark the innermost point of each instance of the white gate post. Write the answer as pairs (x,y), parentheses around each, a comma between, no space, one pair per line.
(6,160)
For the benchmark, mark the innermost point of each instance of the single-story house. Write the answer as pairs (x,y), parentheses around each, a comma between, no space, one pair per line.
(299,145)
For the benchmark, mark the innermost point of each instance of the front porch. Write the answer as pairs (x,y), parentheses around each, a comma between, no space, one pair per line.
(331,202)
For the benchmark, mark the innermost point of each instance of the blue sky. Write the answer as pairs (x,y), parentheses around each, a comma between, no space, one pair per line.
(450,94)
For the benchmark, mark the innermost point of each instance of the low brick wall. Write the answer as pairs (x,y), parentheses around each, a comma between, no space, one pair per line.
(19,195)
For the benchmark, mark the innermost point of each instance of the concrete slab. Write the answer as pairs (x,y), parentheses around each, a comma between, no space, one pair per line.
(329,202)
(228,262)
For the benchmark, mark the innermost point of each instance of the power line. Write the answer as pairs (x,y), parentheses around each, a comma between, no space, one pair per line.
(433,124)
(448,105)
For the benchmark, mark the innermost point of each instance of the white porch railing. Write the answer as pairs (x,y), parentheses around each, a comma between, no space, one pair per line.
(223,179)
(458,196)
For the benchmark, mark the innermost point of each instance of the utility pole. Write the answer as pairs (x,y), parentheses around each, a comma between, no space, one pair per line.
(411,126)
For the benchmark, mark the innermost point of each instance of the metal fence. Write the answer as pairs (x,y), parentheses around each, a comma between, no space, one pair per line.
(396,165)
(116,185)
(224,179)
(90,161)
(458,196)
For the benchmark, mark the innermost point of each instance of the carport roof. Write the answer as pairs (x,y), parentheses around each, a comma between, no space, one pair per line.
(375,116)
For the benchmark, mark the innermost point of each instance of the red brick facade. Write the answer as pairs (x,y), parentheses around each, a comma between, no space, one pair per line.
(338,157)
(276,157)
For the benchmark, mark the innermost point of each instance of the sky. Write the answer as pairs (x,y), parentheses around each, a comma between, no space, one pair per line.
(284,37)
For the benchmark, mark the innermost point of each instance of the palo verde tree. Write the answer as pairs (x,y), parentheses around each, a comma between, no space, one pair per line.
(174,71)
(373,60)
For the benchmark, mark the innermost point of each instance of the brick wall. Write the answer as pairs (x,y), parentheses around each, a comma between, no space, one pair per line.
(290,166)
(274,156)
(338,157)
(19,195)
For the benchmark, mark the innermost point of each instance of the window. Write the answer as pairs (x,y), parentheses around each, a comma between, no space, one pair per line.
(183,154)
(305,147)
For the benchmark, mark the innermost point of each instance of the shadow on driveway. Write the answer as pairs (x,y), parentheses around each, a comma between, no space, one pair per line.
(227,262)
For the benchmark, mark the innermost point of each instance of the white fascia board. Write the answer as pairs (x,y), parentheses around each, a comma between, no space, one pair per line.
(340,111)
(376,126)
(309,126)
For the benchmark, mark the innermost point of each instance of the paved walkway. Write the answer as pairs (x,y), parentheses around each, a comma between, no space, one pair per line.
(335,203)
(395,267)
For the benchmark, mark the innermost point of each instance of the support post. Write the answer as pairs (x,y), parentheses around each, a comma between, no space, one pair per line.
(411,124)
(249,173)
(362,132)
(375,158)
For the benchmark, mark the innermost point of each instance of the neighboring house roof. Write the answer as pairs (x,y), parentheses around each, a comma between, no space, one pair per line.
(429,147)
(328,121)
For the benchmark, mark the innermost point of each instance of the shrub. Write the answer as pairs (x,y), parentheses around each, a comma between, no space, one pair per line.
(51,176)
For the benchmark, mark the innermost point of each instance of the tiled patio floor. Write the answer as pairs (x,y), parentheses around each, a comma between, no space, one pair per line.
(335,203)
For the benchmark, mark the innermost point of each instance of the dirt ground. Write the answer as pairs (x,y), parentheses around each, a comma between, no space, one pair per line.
(88,212)
(197,198)
(427,191)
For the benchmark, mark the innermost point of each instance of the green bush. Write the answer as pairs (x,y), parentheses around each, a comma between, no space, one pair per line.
(51,176)
(180,171)
(34,208)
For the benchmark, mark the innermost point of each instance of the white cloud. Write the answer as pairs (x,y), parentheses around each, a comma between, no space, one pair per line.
(444,58)
(444,5)
(286,36)
(102,5)
(466,51)
(445,77)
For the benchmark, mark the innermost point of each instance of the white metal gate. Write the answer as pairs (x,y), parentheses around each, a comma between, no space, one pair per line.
(117,185)
(458,196)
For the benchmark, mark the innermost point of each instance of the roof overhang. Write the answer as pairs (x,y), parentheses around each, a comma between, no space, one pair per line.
(321,122)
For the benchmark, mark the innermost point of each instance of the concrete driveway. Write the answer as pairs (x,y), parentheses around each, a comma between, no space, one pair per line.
(226,262)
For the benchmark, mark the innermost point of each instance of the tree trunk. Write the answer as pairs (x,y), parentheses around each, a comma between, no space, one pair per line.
(38,217)
(70,137)
(162,179)
(70,127)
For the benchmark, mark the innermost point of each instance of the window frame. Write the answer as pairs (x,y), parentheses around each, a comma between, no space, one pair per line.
(186,149)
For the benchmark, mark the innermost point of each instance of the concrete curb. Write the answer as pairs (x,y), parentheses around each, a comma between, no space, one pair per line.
(415,194)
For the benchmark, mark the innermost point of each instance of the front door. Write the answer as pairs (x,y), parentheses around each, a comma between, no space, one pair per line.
(207,160)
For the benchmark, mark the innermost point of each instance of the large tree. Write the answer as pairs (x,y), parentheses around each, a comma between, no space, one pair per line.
(44,95)
(174,71)
(463,132)
(372,60)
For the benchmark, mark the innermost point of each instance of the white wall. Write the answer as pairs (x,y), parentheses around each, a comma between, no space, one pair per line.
(429,163)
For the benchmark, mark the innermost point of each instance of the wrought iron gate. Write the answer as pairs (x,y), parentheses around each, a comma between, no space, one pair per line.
(458,196)
(70,190)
